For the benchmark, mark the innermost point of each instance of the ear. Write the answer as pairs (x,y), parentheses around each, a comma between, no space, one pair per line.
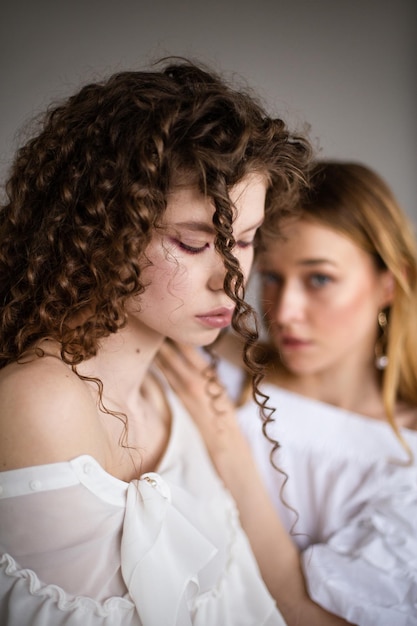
(387,288)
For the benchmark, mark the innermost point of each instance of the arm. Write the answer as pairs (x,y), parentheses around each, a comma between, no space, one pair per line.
(59,541)
(277,557)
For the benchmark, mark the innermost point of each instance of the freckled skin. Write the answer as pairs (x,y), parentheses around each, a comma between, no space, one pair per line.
(187,274)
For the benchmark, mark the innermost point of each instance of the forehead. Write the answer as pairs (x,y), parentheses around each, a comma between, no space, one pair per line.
(187,205)
(305,240)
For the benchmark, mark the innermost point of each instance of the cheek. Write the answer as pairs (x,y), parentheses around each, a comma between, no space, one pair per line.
(351,313)
(245,260)
(167,276)
(165,295)
(268,299)
(175,280)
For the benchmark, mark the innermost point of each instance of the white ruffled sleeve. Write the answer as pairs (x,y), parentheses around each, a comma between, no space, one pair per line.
(367,571)
(80,548)
(60,548)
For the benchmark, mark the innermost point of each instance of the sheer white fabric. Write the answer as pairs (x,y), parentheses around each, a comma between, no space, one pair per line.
(81,548)
(357,508)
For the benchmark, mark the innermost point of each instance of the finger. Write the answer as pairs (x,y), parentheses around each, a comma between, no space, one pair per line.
(195,357)
(184,365)
(173,362)
(181,375)
(200,390)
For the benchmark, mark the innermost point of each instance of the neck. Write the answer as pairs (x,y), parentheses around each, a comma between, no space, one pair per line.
(123,361)
(357,390)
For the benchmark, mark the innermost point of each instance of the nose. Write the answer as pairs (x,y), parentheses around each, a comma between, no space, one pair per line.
(284,305)
(216,273)
(244,259)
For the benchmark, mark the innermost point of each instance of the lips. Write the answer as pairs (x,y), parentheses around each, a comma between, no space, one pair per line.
(217,318)
(293,342)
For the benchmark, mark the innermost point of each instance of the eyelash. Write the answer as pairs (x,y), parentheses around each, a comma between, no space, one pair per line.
(190,249)
(245,244)
(198,250)
(315,281)
(269,277)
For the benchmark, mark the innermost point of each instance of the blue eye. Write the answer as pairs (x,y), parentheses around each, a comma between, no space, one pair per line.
(269,278)
(319,280)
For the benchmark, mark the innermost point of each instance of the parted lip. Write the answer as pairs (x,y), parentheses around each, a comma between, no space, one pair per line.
(216,318)
(290,340)
(219,312)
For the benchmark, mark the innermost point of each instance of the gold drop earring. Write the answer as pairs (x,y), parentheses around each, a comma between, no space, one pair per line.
(381,359)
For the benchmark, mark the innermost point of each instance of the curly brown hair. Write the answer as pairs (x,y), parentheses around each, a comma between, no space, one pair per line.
(86,193)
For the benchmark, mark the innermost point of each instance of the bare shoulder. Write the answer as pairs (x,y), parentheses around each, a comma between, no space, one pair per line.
(47,414)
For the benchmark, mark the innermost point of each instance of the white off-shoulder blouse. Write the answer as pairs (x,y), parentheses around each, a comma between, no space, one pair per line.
(82,548)
(356,503)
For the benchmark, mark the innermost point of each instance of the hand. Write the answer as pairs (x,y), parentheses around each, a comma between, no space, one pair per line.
(193,378)
(194,381)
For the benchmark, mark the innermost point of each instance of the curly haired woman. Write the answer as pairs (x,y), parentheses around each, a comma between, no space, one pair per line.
(130,217)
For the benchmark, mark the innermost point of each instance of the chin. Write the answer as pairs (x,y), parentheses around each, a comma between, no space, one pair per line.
(205,343)
(198,340)
(300,369)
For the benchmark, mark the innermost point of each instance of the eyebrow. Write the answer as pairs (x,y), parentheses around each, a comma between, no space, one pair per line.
(202,227)
(309,262)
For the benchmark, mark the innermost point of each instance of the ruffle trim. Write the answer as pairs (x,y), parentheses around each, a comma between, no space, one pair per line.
(164,556)
(63,600)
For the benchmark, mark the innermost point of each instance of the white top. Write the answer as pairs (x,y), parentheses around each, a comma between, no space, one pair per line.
(82,548)
(357,508)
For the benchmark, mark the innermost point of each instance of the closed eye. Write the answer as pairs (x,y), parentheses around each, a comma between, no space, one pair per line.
(190,249)
(245,244)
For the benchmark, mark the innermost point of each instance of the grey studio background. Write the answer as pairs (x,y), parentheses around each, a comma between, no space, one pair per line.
(347,68)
